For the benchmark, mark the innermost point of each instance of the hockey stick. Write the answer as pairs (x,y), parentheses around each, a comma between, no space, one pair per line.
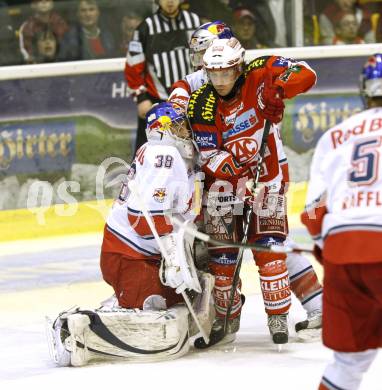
(217,336)
(220,244)
(133,186)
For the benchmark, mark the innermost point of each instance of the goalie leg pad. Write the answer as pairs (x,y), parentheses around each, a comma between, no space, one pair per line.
(203,305)
(135,335)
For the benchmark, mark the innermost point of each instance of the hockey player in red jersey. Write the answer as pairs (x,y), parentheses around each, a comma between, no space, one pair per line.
(304,281)
(344,216)
(228,116)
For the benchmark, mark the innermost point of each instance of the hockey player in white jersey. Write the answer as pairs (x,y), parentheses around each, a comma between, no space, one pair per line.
(200,41)
(146,260)
(344,217)
(303,279)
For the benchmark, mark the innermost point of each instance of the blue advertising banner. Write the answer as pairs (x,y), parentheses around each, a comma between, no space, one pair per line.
(36,148)
(337,74)
(105,96)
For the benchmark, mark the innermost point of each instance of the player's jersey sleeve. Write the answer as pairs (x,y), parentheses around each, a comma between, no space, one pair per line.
(294,77)
(182,89)
(136,59)
(316,200)
(163,185)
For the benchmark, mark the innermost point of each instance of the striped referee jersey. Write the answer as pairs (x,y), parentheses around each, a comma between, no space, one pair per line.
(158,55)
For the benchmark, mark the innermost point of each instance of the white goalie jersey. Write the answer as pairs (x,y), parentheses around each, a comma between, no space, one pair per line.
(344,201)
(165,183)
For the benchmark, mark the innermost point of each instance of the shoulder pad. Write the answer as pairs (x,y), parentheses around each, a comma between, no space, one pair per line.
(257,63)
(202,105)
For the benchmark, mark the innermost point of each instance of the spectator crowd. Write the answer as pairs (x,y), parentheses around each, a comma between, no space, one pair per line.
(39,31)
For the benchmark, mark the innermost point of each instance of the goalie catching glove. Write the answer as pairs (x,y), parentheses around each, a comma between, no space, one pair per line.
(177,268)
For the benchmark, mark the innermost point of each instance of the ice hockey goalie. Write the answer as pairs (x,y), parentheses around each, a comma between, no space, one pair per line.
(149,266)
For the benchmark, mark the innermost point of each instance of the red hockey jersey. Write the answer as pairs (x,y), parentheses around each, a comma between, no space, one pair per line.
(229,132)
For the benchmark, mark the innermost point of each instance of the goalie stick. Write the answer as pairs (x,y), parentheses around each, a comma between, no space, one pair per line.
(217,336)
(134,188)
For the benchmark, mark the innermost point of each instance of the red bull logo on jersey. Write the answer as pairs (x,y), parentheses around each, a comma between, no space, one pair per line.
(339,136)
(160,194)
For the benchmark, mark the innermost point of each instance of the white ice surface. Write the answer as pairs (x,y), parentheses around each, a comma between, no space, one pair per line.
(37,280)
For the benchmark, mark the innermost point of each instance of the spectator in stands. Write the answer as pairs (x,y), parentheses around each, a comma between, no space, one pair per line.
(158,56)
(209,10)
(43,16)
(8,42)
(273,20)
(129,23)
(244,28)
(87,40)
(45,46)
(333,13)
(346,30)
(371,17)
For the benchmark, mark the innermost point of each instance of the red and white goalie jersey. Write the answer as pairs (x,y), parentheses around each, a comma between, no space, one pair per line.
(344,200)
(166,183)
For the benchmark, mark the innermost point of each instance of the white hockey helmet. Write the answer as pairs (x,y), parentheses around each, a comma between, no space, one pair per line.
(223,62)
(224,54)
(202,38)
(166,123)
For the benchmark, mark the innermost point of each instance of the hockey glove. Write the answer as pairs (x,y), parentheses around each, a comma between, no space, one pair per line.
(170,273)
(270,100)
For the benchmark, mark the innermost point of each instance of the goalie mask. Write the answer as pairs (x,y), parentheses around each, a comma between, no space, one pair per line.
(371,78)
(166,123)
(202,38)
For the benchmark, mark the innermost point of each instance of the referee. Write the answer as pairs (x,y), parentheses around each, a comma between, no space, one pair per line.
(158,56)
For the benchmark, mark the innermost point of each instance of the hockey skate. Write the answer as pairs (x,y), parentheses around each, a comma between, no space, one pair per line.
(57,332)
(310,329)
(217,335)
(278,327)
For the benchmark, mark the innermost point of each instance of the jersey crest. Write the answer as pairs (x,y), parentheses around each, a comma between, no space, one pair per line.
(244,149)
